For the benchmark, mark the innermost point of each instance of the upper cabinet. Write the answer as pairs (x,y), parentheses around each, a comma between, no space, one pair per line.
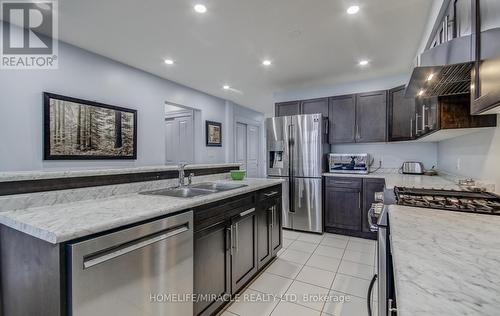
(371,117)
(287,108)
(360,118)
(342,117)
(388,115)
(312,106)
(401,125)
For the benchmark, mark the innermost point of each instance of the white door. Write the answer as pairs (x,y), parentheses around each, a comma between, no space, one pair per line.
(241,145)
(179,140)
(172,140)
(252,151)
(186,139)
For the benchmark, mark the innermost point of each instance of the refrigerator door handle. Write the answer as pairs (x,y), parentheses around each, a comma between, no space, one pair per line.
(291,173)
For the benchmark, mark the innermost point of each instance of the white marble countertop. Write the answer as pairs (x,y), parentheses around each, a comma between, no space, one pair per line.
(51,174)
(446,263)
(394,179)
(63,222)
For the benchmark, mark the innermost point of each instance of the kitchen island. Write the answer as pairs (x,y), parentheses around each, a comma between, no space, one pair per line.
(445,263)
(68,252)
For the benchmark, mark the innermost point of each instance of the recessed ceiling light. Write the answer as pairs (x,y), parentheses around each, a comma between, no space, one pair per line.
(363,62)
(169,61)
(430,77)
(421,92)
(353,9)
(266,62)
(200,8)
(226,87)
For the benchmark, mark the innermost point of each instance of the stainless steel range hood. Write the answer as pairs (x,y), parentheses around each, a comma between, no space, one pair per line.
(443,70)
(446,69)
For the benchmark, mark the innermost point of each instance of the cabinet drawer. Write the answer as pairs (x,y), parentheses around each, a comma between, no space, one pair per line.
(208,215)
(338,182)
(269,193)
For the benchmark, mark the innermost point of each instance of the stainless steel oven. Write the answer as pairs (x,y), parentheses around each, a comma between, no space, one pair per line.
(142,270)
(385,271)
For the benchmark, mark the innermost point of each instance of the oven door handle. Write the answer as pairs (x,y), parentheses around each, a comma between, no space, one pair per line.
(371,214)
(369,297)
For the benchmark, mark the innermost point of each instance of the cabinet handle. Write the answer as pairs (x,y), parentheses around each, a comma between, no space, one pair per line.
(341,182)
(271,193)
(417,131)
(271,211)
(411,127)
(230,232)
(245,213)
(237,237)
(359,200)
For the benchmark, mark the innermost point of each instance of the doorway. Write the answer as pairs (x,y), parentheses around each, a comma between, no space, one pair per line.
(179,135)
(247,148)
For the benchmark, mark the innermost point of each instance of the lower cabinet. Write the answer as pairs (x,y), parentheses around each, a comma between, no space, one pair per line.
(243,248)
(269,230)
(343,205)
(212,267)
(234,239)
(347,201)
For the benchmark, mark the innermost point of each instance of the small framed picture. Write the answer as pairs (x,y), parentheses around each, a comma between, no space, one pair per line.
(214,134)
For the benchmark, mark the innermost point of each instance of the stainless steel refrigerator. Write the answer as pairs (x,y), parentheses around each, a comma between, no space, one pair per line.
(296,151)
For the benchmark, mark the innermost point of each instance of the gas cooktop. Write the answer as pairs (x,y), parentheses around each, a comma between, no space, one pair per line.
(461,201)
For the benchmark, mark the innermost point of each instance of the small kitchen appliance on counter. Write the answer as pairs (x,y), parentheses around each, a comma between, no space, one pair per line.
(349,163)
(412,167)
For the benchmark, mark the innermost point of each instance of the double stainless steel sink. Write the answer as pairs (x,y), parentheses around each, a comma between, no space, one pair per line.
(194,190)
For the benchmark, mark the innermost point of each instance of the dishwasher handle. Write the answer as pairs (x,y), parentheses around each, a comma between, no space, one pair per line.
(93,260)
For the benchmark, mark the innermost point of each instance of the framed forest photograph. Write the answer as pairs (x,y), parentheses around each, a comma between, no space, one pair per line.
(81,129)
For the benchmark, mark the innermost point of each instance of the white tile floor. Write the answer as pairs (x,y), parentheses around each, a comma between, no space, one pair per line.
(320,275)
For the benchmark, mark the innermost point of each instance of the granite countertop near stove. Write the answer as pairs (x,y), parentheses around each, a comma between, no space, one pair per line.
(445,263)
(62,222)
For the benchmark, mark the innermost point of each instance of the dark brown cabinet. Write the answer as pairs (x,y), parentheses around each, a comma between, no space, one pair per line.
(314,106)
(264,236)
(244,248)
(342,119)
(343,203)
(287,108)
(234,239)
(347,201)
(447,113)
(212,266)
(401,115)
(371,117)
(370,187)
(276,226)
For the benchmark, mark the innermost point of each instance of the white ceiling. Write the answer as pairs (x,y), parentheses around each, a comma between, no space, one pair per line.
(311,42)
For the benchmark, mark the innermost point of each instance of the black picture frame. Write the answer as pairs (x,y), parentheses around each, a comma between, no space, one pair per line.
(48,155)
(209,141)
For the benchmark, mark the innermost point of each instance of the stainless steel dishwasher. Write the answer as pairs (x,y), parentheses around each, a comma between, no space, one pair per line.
(142,270)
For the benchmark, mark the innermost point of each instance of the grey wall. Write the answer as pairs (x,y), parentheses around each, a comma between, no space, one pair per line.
(475,155)
(85,75)
(393,155)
